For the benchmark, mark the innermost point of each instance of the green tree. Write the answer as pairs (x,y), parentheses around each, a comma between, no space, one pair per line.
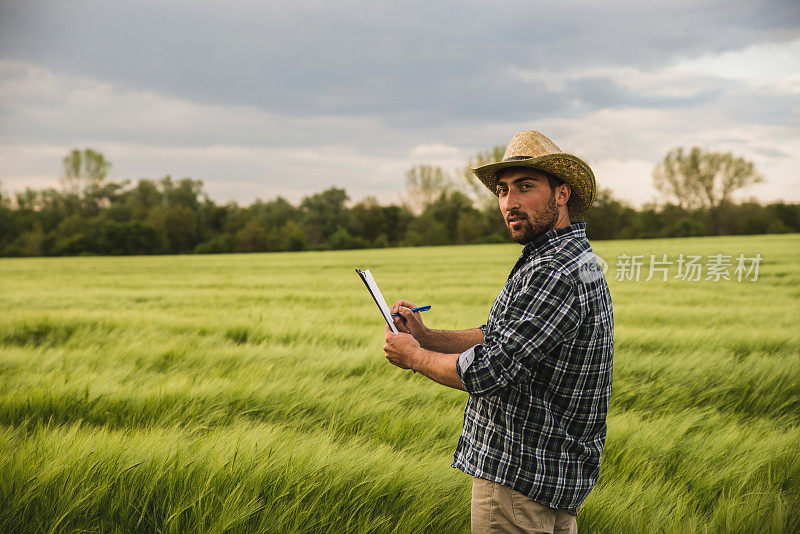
(610,218)
(786,215)
(185,192)
(292,237)
(426,230)
(341,239)
(380,225)
(144,197)
(397,220)
(370,217)
(253,238)
(425,184)
(178,224)
(84,181)
(699,178)
(7,222)
(449,210)
(483,197)
(323,213)
(274,213)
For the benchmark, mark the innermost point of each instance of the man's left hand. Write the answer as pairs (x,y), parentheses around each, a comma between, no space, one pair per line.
(400,349)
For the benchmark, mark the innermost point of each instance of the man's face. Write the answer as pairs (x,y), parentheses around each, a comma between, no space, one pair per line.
(527,203)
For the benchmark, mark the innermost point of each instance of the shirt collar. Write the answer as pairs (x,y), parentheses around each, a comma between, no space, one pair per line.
(574,230)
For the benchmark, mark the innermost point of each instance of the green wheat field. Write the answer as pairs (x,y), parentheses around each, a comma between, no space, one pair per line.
(249,393)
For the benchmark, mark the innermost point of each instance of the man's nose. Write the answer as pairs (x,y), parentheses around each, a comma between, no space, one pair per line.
(510,200)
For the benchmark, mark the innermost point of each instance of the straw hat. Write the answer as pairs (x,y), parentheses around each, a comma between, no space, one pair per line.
(535,150)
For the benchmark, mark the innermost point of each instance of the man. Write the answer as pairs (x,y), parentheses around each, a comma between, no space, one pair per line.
(538,373)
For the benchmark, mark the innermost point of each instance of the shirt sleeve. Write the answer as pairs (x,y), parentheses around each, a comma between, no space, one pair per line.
(542,312)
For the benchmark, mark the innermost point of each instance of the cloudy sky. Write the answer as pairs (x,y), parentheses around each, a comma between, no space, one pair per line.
(263,98)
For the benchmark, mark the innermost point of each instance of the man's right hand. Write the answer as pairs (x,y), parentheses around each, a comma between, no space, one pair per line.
(409,322)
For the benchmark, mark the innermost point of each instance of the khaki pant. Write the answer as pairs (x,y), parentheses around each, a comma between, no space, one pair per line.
(498,508)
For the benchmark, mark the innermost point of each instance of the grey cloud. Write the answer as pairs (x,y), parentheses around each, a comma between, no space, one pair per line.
(158,85)
(407,62)
(77,113)
(771,152)
(597,93)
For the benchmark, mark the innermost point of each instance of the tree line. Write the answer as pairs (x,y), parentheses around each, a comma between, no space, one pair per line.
(90,214)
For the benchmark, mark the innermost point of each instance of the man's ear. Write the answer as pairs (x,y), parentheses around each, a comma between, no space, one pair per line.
(562,194)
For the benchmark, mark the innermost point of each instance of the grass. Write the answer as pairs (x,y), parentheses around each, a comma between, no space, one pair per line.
(248,393)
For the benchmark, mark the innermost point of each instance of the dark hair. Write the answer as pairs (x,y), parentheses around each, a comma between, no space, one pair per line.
(552,179)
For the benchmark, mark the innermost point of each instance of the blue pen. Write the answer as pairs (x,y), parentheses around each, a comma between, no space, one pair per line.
(420,309)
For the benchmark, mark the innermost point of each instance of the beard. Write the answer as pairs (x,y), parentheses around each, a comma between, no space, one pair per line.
(542,219)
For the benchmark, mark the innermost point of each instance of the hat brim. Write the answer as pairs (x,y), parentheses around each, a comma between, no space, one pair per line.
(568,168)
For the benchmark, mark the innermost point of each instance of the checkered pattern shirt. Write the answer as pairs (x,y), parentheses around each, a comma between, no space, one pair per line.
(540,382)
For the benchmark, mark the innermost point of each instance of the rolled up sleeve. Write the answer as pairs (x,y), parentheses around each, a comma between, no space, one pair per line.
(541,313)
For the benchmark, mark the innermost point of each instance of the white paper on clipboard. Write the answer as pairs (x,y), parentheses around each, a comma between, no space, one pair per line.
(372,286)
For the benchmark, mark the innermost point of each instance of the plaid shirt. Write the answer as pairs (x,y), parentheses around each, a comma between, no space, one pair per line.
(540,382)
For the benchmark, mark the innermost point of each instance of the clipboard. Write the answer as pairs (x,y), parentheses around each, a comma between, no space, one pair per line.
(373,289)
